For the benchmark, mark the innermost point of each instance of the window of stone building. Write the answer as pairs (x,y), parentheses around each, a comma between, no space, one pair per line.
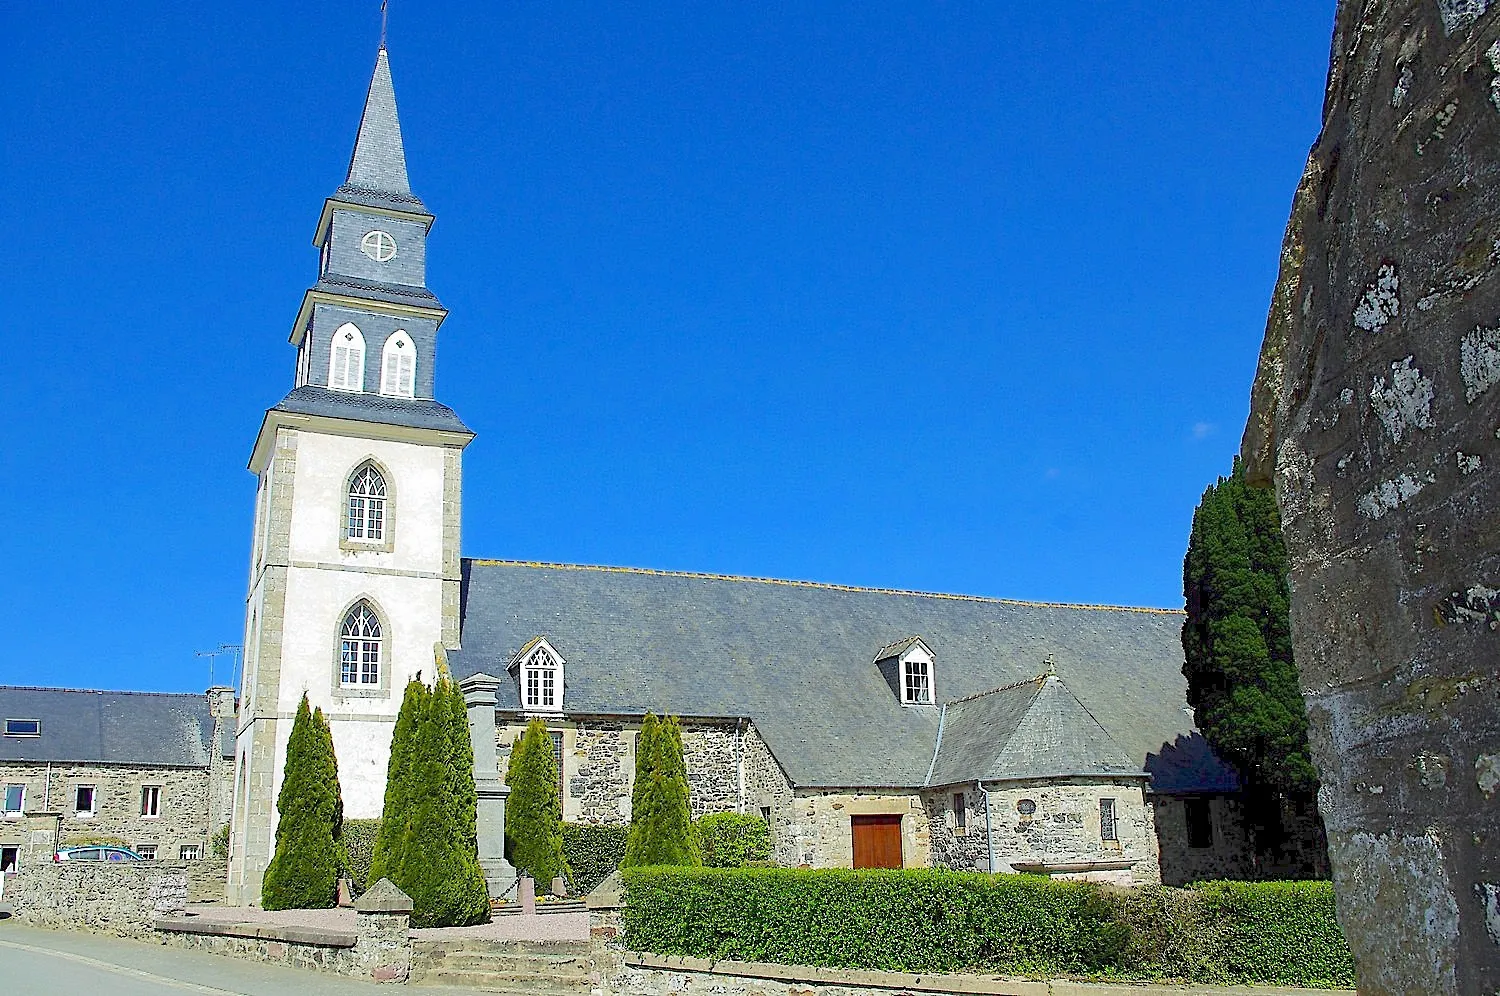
(398,367)
(1109,829)
(189,852)
(960,812)
(359,648)
(13,803)
(540,680)
(367,498)
(150,800)
(916,682)
(1027,809)
(84,798)
(1200,822)
(23,727)
(146,851)
(557,756)
(9,858)
(346,359)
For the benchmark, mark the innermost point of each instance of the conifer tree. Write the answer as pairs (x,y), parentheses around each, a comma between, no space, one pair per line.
(1237,647)
(390,839)
(303,874)
(533,813)
(661,823)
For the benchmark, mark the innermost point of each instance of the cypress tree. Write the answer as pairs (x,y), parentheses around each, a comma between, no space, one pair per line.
(661,823)
(303,874)
(1237,648)
(386,857)
(533,813)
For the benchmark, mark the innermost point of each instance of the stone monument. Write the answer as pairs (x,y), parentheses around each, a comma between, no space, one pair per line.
(479,698)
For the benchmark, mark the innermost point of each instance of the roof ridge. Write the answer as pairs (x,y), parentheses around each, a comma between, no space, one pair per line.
(94,691)
(709,576)
(1034,680)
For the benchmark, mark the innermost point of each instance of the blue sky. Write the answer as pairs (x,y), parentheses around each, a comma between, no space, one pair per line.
(954,297)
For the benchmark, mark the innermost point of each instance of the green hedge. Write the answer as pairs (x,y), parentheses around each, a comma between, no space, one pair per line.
(592,852)
(733,840)
(358,839)
(932,920)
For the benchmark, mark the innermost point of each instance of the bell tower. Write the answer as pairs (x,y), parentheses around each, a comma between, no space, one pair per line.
(354,559)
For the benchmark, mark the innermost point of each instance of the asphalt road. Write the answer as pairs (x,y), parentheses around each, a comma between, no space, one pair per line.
(37,962)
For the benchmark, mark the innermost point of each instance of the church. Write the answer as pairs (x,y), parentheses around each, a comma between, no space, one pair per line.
(871,728)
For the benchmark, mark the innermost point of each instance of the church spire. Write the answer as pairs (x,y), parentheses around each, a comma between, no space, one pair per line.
(378,165)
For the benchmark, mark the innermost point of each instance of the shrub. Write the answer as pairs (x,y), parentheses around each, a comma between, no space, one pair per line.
(303,874)
(359,848)
(931,920)
(220,842)
(395,815)
(733,840)
(593,851)
(533,813)
(661,823)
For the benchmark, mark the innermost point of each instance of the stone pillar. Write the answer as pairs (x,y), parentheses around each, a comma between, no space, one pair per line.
(383,933)
(479,696)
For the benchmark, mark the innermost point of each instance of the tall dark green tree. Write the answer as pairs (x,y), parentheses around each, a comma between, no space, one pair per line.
(1237,645)
(533,813)
(303,874)
(395,815)
(661,823)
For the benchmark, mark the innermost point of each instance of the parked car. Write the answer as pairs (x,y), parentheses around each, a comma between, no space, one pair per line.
(102,853)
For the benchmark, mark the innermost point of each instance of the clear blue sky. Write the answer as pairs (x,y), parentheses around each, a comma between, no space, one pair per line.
(960,297)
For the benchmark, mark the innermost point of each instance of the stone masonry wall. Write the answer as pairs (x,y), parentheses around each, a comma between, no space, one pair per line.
(959,844)
(769,792)
(1374,413)
(1065,828)
(185,802)
(1229,857)
(823,838)
(123,899)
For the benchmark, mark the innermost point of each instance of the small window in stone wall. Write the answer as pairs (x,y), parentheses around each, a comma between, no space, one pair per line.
(1109,829)
(1200,822)
(83,800)
(557,755)
(189,852)
(1027,809)
(13,800)
(960,812)
(146,851)
(151,800)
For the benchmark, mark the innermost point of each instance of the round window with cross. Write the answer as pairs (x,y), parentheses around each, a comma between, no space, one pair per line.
(379,246)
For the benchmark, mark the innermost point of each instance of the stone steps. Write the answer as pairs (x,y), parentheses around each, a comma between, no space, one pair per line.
(542,909)
(544,968)
(491,982)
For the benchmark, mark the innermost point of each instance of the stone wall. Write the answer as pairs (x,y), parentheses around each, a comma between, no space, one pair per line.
(123,899)
(188,804)
(959,844)
(1374,413)
(378,950)
(768,791)
(821,835)
(1230,856)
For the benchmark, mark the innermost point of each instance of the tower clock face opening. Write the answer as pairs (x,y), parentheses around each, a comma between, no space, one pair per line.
(379,246)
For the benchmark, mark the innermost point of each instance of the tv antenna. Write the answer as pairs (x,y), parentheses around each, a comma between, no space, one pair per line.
(230,649)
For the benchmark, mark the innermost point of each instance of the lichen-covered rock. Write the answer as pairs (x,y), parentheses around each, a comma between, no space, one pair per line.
(1376,411)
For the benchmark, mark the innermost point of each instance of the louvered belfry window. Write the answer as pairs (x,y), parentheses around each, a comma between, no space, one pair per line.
(398,367)
(367,505)
(346,359)
(359,648)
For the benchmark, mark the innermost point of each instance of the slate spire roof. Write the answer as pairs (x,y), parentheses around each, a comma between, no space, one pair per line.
(377,169)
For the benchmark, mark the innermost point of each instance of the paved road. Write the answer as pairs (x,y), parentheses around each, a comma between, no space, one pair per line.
(37,962)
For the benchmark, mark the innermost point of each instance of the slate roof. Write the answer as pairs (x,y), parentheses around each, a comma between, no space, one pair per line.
(377,168)
(417,413)
(419,297)
(1033,729)
(796,658)
(146,728)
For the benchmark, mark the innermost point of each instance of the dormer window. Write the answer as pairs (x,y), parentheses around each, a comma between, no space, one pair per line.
(541,677)
(908,668)
(916,681)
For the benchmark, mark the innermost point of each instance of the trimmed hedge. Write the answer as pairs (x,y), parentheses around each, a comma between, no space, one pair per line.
(592,851)
(359,847)
(733,840)
(933,920)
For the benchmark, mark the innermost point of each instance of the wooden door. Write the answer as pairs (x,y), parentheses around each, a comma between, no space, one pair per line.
(877,841)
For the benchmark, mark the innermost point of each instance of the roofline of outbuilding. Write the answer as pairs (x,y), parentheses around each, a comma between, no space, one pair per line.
(102,691)
(827,586)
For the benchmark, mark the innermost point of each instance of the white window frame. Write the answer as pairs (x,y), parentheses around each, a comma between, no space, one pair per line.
(398,366)
(346,359)
(917,660)
(361,647)
(541,671)
(93,791)
(13,727)
(366,506)
(5,809)
(190,852)
(146,851)
(150,802)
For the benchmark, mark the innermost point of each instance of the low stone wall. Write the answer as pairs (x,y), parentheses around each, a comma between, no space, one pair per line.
(638,974)
(207,878)
(124,899)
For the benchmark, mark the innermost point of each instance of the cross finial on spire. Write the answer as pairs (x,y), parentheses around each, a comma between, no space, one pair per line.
(383,21)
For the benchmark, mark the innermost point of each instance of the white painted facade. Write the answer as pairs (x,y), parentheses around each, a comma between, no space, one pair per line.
(306,576)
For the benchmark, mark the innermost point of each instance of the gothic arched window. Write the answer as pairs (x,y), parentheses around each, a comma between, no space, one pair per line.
(398,367)
(346,359)
(366,518)
(359,648)
(540,679)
